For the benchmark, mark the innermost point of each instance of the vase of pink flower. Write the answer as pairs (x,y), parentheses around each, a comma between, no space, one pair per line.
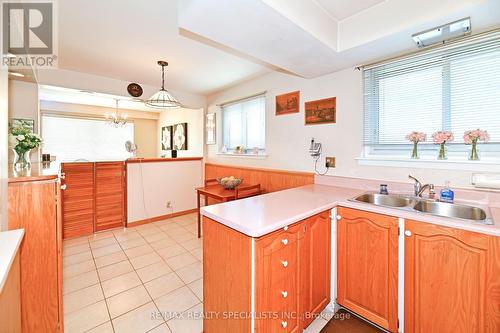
(471,138)
(415,138)
(440,138)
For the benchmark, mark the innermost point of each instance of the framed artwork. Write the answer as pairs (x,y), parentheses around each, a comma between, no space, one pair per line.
(210,128)
(322,111)
(288,103)
(166,138)
(19,122)
(180,137)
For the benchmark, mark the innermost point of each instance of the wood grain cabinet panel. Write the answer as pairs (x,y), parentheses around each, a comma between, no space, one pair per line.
(452,280)
(367,265)
(109,195)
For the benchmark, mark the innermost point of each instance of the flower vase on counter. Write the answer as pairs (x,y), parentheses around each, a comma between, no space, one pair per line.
(415,138)
(21,159)
(471,138)
(440,138)
(22,140)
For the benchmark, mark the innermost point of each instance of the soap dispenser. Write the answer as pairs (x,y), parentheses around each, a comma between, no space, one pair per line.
(447,194)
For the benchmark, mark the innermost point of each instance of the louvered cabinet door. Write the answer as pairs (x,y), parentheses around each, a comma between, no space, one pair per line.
(109,195)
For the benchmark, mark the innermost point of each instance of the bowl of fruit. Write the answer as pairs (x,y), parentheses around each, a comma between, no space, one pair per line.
(229,183)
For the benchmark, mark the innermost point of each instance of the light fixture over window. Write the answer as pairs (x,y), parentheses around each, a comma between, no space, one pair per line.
(443,33)
(163,99)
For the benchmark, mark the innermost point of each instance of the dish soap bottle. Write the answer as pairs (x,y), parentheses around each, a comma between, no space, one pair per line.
(447,194)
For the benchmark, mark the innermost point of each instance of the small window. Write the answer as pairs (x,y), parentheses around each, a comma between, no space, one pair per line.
(71,139)
(243,125)
(456,88)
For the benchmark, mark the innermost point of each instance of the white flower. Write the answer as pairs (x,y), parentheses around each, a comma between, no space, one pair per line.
(20,137)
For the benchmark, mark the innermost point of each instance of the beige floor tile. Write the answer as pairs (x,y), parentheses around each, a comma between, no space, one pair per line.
(163,285)
(174,233)
(77,258)
(181,260)
(86,318)
(197,288)
(111,271)
(180,238)
(75,249)
(163,328)
(138,320)
(129,234)
(198,254)
(120,283)
(170,226)
(191,272)
(159,235)
(105,250)
(127,301)
(192,244)
(131,243)
(186,221)
(179,300)
(153,271)
(101,235)
(104,328)
(138,251)
(95,244)
(151,230)
(110,259)
(163,243)
(192,228)
(79,282)
(145,260)
(171,251)
(77,269)
(191,321)
(82,298)
(75,241)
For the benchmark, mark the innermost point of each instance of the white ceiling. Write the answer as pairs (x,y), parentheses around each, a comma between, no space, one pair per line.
(341,9)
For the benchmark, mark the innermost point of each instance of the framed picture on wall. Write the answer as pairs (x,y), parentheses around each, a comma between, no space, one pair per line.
(166,138)
(322,111)
(180,137)
(210,128)
(19,122)
(288,103)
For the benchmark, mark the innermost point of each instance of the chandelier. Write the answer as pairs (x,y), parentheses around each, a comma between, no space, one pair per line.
(115,119)
(163,99)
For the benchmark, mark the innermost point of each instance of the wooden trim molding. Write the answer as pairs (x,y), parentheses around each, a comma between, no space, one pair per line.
(161,217)
(241,167)
(161,159)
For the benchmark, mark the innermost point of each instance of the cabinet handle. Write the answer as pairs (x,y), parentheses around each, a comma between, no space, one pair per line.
(62,176)
(339,217)
(284,263)
(284,293)
(63,187)
(284,241)
(407,233)
(284,324)
(285,228)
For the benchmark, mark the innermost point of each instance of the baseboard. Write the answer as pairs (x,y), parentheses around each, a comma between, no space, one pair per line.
(161,217)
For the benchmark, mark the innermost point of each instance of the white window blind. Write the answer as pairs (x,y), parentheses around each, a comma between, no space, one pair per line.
(455,88)
(71,139)
(243,123)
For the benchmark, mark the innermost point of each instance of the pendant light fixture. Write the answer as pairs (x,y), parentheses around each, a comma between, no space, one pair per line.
(115,119)
(163,99)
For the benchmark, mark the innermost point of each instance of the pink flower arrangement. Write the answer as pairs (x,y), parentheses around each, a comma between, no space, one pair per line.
(416,137)
(473,136)
(441,137)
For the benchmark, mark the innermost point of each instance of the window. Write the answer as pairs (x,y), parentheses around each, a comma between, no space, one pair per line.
(71,139)
(243,124)
(455,88)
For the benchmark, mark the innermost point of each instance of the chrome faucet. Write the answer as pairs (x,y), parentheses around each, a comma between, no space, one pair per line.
(419,189)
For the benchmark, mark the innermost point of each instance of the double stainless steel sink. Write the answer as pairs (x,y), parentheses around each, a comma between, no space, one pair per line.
(464,212)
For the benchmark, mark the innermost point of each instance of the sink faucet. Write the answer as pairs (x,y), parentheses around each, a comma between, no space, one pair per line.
(419,189)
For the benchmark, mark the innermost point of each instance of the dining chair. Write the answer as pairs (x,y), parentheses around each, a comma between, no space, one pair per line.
(247,191)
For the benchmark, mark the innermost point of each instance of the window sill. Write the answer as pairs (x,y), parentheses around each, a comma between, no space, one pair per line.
(246,155)
(491,165)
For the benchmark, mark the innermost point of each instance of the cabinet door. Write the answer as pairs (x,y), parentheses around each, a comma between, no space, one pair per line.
(446,273)
(78,199)
(315,266)
(367,265)
(109,195)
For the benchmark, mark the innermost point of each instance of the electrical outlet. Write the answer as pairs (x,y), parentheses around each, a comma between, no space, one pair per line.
(169,204)
(330,162)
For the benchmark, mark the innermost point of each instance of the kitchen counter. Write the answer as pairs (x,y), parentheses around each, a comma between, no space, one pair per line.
(38,171)
(9,245)
(260,215)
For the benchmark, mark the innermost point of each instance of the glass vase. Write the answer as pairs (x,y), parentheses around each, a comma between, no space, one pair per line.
(414,153)
(474,156)
(442,152)
(21,159)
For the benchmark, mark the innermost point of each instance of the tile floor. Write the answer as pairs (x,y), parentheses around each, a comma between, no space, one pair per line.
(142,279)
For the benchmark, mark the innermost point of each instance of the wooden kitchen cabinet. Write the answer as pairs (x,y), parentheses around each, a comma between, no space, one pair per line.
(452,280)
(367,265)
(109,195)
(291,276)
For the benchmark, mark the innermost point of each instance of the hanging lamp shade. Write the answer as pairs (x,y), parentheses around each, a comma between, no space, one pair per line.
(163,99)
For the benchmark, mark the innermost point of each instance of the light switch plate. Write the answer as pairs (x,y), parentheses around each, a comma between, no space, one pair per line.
(330,162)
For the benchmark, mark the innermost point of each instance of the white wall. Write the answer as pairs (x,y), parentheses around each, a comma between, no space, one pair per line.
(195,120)
(288,139)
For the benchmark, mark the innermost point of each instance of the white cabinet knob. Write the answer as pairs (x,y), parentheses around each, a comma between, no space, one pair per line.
(339,217)
(284,241)
(63,187)
(284,294)
(407,233)
(284,263)
(285,228)
(284,324)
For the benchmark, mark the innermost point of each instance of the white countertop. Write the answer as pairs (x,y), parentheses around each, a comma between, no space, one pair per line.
(260,215)
(9,245)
